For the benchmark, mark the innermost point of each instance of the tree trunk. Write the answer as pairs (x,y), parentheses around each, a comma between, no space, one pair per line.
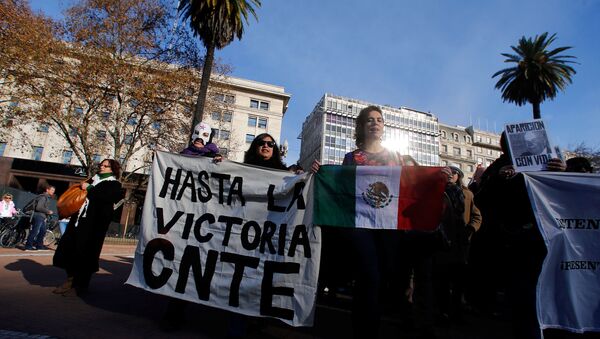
(537,114)
(206,70)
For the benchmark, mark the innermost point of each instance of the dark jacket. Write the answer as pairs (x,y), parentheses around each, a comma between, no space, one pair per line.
(210,150)
(79,248)
(40,205)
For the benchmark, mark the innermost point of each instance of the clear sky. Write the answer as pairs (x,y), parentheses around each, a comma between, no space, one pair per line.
(430,55)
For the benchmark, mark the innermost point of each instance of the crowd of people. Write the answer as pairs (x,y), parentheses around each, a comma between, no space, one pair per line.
(487,242)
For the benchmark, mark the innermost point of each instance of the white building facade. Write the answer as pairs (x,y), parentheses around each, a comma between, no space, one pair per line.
(252,108)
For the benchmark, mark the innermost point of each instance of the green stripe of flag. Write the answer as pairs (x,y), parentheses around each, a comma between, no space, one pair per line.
(335,196)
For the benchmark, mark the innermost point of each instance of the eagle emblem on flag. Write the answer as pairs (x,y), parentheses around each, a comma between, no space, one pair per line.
(377,195)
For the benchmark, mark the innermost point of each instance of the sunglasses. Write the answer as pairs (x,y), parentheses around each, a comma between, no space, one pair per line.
(8,198)
(269,144)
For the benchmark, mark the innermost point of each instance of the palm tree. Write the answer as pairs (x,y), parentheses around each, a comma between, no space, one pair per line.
(538,74)
(216,23)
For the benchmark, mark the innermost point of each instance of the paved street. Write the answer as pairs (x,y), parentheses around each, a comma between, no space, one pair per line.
(114,310)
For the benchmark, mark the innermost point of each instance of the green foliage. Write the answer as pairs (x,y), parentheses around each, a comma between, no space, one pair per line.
(538,74)
(218,22)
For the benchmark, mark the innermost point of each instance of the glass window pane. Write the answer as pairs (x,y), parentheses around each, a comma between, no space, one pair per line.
(253,103)
(264,106)
(251,121)
(262,122)
(37,153)
(227,116)
(66,158)
(249,138)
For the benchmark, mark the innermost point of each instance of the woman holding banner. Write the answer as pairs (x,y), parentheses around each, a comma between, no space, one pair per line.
(513,234)
(263,152)
(79,249)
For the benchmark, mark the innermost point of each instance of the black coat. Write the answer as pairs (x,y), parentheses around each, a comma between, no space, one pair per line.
(79,248)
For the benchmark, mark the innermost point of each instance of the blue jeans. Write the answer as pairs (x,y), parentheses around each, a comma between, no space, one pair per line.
(38,231)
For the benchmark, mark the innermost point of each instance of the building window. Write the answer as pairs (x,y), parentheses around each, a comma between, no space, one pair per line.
(488,140)
(226,98)
(456,150)
(249,138)
(455,136)
(480,160)
(67,156)
(132,121)
(478,138)
(216,116)
(37,153)
(78,111)
(227,116)
(489,151)
(263,105)
(96,158)
(101,135)
(2,148)
(469,153)
(224,135)
(128,139)
(444,148)
(443,134)
(43,128)
(14,103)
(470,168)
(468,139)
(72,131)
(252,121)
(106,115)
(156,125)
(262,122)
(479,149)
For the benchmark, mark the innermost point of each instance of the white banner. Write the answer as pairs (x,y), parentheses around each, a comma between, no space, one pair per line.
(567,208)
(231,236)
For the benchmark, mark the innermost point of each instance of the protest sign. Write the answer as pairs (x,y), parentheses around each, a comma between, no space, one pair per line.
(567,213)
(231,236)
(530,148)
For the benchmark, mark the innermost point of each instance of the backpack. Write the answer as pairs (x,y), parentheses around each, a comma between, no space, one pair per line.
(31,205)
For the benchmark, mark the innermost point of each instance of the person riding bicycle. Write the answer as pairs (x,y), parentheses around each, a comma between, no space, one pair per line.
(40,208)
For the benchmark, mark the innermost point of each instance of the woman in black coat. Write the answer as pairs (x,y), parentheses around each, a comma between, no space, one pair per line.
(79,249)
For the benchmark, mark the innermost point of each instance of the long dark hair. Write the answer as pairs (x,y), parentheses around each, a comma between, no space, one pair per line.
(115,167)
(361,121)
(253,158)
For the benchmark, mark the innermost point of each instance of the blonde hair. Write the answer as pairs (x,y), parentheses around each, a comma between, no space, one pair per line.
(7,195)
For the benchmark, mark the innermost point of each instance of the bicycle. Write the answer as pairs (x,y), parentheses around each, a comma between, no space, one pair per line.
(53,234)
(16,231)
(8,222)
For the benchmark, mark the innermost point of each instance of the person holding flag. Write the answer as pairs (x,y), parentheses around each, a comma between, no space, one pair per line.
(375,240)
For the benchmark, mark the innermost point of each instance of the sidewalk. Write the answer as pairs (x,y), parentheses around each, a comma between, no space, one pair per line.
(115,310)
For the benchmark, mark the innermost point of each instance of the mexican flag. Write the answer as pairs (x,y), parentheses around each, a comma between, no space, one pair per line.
(379,197)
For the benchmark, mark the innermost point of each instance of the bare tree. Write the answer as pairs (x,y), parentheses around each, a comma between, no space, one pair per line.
(114,79)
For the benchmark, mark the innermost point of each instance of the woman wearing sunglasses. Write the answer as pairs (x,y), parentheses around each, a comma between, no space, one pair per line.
(264,152)
(79,249)
(7,206)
